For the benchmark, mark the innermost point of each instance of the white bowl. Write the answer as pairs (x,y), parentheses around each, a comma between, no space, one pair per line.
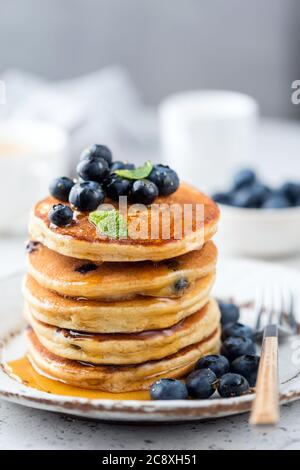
(259,232)
(31,154)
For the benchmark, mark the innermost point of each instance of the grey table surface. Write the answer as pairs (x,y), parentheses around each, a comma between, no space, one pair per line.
(26,428)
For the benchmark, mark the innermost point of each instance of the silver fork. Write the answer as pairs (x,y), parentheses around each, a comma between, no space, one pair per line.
(275,305)
(275,317)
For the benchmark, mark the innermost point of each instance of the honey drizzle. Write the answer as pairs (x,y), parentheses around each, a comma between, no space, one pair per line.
(22,370)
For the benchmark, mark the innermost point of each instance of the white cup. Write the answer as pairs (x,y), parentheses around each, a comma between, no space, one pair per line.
(206,134)
(31,154)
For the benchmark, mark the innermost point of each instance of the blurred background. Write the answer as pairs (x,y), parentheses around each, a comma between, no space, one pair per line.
(166,46)
(77,72)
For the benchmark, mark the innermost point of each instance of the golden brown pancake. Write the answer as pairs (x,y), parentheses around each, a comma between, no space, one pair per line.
(112,281)
(82,240)
(118,378)
(132,348)
(125,316)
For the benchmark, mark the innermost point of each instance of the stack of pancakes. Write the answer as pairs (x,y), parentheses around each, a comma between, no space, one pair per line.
(118,314)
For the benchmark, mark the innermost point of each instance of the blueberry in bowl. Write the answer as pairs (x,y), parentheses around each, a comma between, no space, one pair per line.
(276,201)
(259,220)
(291,190)
(249,192)
(244,178)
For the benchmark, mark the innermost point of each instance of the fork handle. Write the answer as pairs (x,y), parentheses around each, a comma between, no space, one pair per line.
(265,410)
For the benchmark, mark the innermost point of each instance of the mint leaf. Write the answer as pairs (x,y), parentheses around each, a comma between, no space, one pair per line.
(97,216)
(109,223)
(136,174)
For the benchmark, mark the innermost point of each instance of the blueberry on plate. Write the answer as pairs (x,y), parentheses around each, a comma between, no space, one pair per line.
(201,383)
(222,198)
(247,366)
(234,347)
(117,186)
(118,165)
(215,362)
(144,192)
(230,313)
(243,178)
(86,196)
(291,191)
(232,385)
(61,187)
(93,169)
(60,215)
(168,389)
(276,201)
(97,151)
(165,178)
(237,329)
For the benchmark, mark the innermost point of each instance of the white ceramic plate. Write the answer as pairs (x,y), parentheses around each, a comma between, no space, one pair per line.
(237,279)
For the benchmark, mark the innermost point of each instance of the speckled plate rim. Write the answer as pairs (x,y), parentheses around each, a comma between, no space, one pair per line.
(147,411)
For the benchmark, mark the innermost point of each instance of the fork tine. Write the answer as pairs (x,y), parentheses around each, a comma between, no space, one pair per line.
(272,293)
(259,309)
(291,313)
(283,307)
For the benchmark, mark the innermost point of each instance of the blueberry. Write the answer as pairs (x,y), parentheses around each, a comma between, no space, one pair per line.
(61,187)
(242,198)
(181,285)
(237,329)
(244,178)
(86,268)
(276,201)
(215,362)
(117,186)
(144,192)
(291,191)
(232,385)
(250,197)
(201,383)
(98,151)
(121,166)
(230,313)
(168,389)
(165,179)
(259,193)
(86,196)
(32,246)
(222,198)
(60,215)
(234,347)
(93,169)
(247,366)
